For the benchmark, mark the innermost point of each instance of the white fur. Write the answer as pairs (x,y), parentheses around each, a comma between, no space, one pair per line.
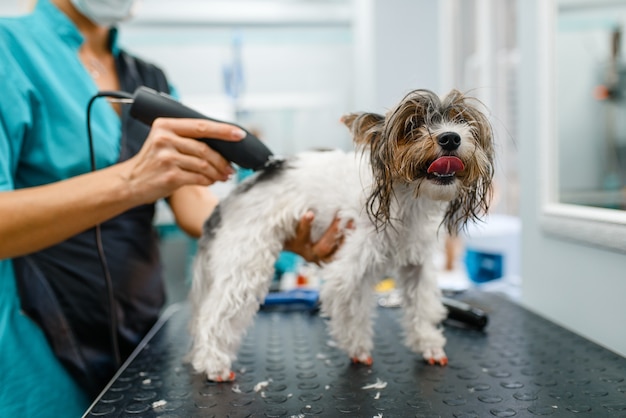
(234,264)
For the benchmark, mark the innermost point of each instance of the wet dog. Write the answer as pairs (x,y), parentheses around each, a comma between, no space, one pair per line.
(424,167)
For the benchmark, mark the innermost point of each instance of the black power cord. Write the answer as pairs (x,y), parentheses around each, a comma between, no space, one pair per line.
(124,98)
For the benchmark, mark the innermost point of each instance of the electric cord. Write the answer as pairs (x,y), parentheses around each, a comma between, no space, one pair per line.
(122,97)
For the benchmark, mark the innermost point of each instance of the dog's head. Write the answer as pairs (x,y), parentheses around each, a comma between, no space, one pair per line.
(442,148)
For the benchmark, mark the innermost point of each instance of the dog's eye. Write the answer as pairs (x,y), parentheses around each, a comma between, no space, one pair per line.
(457,116)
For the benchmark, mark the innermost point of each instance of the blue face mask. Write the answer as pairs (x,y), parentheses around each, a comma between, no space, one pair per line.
(105,12)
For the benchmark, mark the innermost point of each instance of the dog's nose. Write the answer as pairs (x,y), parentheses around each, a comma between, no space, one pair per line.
(449,141)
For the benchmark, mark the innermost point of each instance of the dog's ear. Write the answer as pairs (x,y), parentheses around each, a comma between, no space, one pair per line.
(364,126)
(367,132)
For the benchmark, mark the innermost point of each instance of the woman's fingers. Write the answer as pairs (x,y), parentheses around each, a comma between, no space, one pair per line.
(326,247)
(214,170)
(181,134)
(172,157)
(200,128)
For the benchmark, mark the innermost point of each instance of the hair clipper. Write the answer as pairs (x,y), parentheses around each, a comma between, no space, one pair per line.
(149,104)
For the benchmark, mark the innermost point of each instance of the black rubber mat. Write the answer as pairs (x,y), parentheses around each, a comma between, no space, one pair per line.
(520,365)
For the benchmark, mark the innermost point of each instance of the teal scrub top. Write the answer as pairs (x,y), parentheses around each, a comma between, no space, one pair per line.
(44,89)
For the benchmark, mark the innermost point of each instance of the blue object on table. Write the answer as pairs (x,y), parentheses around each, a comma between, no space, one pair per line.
(484,267)
(306,297)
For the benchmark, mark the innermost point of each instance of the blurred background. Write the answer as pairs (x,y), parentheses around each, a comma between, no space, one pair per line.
(550,72)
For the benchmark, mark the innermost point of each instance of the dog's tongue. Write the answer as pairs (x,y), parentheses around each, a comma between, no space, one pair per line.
(446,165)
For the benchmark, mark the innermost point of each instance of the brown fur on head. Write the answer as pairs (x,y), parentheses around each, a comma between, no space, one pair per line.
(403,145)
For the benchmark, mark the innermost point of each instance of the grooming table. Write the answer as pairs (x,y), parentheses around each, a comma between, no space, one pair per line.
(520,365)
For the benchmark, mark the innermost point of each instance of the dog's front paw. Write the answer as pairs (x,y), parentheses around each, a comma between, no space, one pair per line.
(225,376)
(363,359)
(435,356)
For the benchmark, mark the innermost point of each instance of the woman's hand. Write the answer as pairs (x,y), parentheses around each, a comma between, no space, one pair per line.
(325,248)
(171,157)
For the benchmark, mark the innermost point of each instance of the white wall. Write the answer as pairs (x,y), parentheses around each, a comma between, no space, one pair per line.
(296,64)
(580,287)
(396,50)
(297,80)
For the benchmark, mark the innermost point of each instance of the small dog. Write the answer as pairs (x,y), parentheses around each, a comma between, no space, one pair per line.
(428,163)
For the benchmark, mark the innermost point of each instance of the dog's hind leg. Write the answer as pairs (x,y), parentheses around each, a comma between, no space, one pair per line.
(347,299)
(423,312)
(225,309)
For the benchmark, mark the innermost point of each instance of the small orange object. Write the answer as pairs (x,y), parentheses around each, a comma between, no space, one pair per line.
(368,361)
(301,280)
(442,362)
(231,377)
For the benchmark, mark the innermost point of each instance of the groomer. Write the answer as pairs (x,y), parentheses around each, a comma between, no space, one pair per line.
(55,339)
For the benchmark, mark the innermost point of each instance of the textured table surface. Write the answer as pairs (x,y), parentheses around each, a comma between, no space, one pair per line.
(520,365)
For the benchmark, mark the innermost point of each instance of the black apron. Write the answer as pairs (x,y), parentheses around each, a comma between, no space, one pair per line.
(62,288)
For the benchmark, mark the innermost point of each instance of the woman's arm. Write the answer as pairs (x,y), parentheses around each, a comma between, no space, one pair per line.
(37,217)
(191,206)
